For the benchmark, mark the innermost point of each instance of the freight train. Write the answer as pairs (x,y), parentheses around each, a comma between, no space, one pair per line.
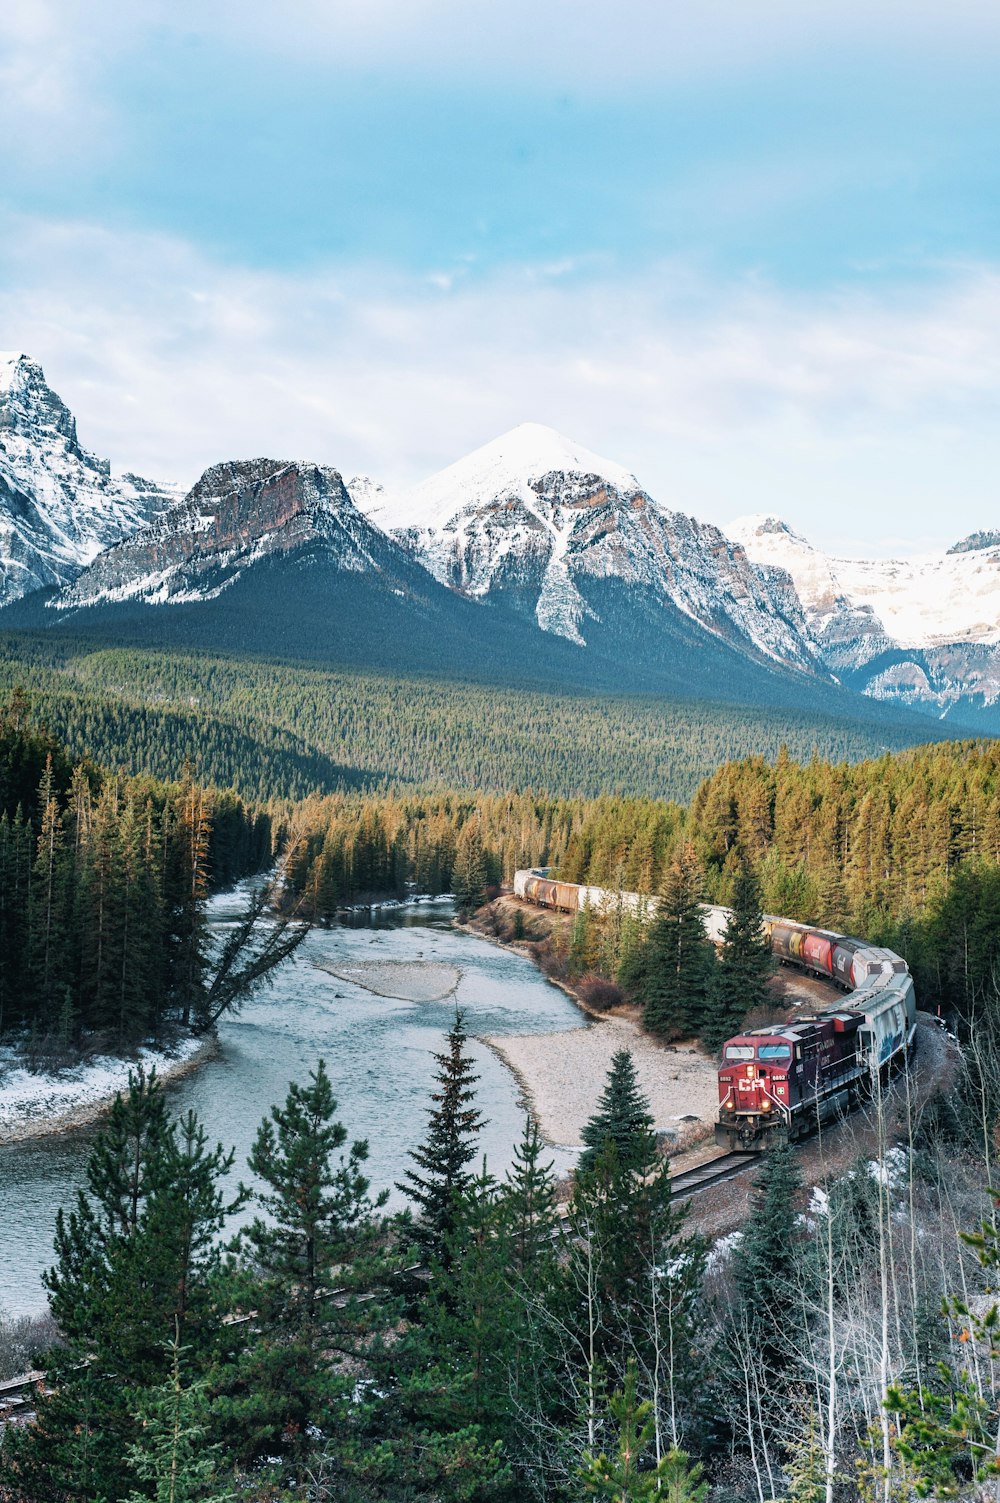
(782,1082)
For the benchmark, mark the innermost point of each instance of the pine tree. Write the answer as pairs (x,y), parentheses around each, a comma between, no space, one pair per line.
(769,1258)
(49,908)
(626,1476)
(135,1262)
(678,956)
(529,1204)
(622,1117)
(470,873)
(321,1225)
(740,980)
(441,1175)
(172,1452)
(771,1241)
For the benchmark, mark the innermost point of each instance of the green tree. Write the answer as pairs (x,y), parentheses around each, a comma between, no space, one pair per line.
(471,870)
(173,1453)
(136,1260)
(318,1238)
(441,1175)
(740,980)
(677,957)
(627,1476)
(622,1117)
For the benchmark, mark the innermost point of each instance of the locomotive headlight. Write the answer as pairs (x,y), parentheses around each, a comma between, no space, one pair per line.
(751,1072)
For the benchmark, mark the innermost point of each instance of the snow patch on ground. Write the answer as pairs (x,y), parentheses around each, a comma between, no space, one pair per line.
(31,1105)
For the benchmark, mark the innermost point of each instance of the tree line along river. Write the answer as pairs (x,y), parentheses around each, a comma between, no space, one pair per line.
(378,1049)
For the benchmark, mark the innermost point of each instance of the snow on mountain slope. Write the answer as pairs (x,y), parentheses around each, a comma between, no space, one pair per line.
(924,601)
(929,625)
(535,517)
(59,505)
(238,513)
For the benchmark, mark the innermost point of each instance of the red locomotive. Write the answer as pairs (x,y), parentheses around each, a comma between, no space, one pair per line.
(783,1082)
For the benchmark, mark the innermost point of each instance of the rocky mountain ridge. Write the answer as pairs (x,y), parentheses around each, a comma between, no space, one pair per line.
(60,506)
(923,631)
(539,522)
(541,539)
(238,514)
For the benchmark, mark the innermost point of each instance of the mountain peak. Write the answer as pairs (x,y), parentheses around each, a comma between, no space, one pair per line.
(59,505)
(501,469)
(975,541)
(762,524)
(9,360)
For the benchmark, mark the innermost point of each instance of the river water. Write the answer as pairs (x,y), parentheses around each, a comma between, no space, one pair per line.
(378,1052)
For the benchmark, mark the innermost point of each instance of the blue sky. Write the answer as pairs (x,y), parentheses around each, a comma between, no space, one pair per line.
(749,248)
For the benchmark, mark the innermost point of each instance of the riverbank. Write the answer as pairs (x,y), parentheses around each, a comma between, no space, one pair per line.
(39,1105)
(561,1075)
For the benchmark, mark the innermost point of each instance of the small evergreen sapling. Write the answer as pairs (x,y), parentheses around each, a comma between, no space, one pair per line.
(626,1476)
(622,1117)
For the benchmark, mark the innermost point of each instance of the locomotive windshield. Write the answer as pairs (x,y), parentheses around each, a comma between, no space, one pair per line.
(739,1051)
(774,1051)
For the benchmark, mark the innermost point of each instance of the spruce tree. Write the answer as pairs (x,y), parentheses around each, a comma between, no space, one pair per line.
(321,1226)
(622,1118)
(740,979)
(769,1258)
(470,872)
(529,1205)
(677,956)
(626,1476)
(135,1261)
(441,1174)
(770,1245)
(173,1455)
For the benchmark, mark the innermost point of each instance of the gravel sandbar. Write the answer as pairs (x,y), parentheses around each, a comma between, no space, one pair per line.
(406,980)
(562,1075)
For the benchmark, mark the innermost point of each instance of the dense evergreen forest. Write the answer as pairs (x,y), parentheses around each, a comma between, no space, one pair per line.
(280,730)
(902,849)
(491,1345)
(488,1344)
(103,887)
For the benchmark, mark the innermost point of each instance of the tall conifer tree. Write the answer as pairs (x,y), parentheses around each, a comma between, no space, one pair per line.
(741,977)
(441,1174)
(678,957)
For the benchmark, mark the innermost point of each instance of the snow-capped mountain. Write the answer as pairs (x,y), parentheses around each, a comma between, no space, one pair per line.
(59,505)
(238,514)
(538,522)
(922,630)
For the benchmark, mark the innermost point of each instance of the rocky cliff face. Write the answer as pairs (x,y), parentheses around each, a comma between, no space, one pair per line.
(534,519)
(237,514)
(59,505)
(921,631)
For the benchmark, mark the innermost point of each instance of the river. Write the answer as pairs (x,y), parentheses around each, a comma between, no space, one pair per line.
(378,1051)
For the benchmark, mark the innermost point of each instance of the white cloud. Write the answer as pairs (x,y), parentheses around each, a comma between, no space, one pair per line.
(857,417)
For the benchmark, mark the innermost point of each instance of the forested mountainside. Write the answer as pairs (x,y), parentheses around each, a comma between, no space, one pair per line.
(279,729)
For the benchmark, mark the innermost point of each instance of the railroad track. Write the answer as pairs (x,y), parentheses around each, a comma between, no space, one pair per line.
(724,1166)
